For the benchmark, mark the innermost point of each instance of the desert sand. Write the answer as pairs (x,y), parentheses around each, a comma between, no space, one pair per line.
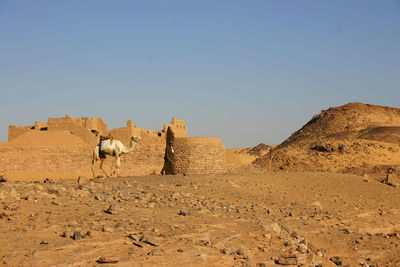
(327,196)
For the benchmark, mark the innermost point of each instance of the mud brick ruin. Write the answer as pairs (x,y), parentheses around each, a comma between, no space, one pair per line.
(64,145)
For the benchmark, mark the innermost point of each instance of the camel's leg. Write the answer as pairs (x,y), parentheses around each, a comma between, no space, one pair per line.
(101,166)
(93,161)
(117,164)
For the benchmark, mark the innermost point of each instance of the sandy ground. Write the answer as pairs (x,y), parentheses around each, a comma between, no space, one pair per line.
(267,219)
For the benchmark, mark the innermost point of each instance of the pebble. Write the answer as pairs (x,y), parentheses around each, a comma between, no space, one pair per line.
(111,210)
(336,260)
(108,260)
(76,236)
(148,239)
(3,178)
(155,252)
(184,213)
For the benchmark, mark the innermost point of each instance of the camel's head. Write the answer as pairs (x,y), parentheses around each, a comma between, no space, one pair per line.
(136,138)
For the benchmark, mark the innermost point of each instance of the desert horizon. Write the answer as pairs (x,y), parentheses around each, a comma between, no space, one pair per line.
(199,133)
(326,196)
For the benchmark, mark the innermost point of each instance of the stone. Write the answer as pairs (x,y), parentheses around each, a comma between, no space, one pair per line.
(392,179)
(273,228)
(261,264)
(76,236)
(108,259)
(302,248)
(336,260)
(184,212)
(107,229)
(317,204)
(13,193)
(148,239)
(243,253)
(44,242)
(133,237)
(155,252)
(48,180)
(289,260)
(111,210)
(3,178)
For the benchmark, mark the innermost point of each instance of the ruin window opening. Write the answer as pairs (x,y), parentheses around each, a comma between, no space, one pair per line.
(43,129)
(159,134)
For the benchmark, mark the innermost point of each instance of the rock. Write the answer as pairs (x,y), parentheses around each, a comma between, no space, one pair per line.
(392,179)
(243,253)
(184,212)
(13,193)
(38,187)
(273,228)
(108,259)
(317,204)
(11,207)
(48,180)
(288,260)
(3,178)
(107,229)
(137,244)
(336,260)
(155,252)
(111,210)
(133,237)
(148,239)
(261,264)
(302,248)
(76,236)
(44,242)
(55,203)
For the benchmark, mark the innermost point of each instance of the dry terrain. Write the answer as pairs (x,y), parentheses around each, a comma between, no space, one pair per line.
(214,220)
(327,196)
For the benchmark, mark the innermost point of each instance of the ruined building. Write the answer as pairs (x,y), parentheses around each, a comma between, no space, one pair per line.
(194,155)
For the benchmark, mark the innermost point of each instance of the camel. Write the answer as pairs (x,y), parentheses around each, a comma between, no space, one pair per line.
(113,148)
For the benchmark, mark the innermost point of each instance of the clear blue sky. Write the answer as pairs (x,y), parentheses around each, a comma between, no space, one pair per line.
(244,71)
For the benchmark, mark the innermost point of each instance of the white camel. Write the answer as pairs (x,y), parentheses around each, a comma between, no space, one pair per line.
(113,148)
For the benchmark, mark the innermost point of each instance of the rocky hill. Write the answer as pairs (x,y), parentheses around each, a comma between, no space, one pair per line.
(354,138)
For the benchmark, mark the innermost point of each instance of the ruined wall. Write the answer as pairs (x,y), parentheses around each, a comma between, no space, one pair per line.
(76,160)
(95,124)
(40,126)
(195,155)
(178,127)
(124,134)
(199,155)
(73,125)
(85,127)
(15,131)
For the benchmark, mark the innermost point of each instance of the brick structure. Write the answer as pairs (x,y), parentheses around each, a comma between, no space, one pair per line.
(178,127)
(194,155)
(199,155)
(82,127)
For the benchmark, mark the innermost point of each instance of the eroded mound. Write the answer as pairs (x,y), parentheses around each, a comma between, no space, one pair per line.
(357,138)
(44,138)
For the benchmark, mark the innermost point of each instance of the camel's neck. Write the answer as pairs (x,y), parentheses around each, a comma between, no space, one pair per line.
(128,149)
